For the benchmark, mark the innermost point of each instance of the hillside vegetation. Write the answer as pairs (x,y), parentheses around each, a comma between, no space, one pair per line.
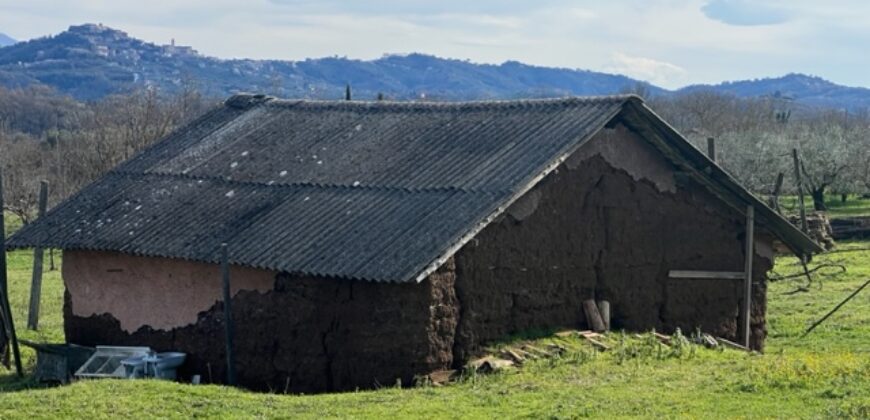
(824,375)
(92,61)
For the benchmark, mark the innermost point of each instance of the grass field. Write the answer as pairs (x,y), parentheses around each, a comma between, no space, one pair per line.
(854,206)
(825,375)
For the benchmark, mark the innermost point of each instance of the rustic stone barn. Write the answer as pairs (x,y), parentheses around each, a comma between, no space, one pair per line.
(372,241)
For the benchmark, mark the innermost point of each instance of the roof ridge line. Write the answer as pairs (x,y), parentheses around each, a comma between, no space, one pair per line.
(506,103)
(305,184)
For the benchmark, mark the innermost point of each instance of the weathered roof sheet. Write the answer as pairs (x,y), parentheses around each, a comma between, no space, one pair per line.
(364,190)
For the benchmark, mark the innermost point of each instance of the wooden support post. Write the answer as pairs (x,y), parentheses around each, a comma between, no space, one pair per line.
(5,309)
(747,296)
(604,310)
(711,148)
(228,316)
(593,317)
(800,189)
(777,189)
(347,94)
(38,254)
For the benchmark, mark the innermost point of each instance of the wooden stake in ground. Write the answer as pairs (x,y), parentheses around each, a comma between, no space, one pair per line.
(836,308)
(38,255)
(800,189)
(604,310)
(711,148)
(777,189)
(5,309)
(593,317)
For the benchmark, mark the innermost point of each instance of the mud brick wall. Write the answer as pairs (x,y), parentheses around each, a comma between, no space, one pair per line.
(608,226)
(305,334)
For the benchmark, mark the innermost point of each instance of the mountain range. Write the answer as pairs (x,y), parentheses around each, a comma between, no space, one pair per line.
(6,40)
(90,61)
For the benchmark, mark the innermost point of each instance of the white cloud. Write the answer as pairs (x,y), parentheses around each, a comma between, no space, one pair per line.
(657,72)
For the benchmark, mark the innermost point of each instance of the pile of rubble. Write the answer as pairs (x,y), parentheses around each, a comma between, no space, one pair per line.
(513,356)
(819,228)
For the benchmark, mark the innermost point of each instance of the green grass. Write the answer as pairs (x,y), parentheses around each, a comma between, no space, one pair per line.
(825,375)
(853,207)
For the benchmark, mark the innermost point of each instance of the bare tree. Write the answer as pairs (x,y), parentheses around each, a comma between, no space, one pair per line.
(828,146)
(70,143)
(21,161)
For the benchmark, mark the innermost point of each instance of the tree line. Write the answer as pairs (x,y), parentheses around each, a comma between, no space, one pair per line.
(48,136)
(756,137)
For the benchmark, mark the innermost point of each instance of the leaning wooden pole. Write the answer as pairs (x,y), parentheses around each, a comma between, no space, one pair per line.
(836,308)
(228,316)
(747,272)
(800,189)
(38,255)
(777,189)
(8,324)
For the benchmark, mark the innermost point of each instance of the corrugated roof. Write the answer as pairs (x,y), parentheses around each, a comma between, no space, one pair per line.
(365,190)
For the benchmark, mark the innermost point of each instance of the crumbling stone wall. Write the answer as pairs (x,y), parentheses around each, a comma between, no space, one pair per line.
(305,334)
(608,225)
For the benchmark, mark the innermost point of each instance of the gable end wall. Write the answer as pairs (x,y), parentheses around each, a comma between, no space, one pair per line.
(608,224)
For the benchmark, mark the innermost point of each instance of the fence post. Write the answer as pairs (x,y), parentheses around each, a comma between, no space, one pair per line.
(800,189)
(711,148)
(38,255)
(747,297)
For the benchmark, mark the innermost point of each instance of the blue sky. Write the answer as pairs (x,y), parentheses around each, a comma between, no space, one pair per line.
(668,42)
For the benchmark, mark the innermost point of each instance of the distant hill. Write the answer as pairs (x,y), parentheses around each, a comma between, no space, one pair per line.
(90,61)
(809,90)
(6,40)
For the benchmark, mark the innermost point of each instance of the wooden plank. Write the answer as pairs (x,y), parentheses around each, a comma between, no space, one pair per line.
(664,339)
(731,344)
(747,297)
(597,344)
(38,255)
(593,317)
(590,334)
(516,357)
(700,274)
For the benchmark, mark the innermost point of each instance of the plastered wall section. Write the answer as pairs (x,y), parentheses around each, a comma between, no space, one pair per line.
(158,292)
